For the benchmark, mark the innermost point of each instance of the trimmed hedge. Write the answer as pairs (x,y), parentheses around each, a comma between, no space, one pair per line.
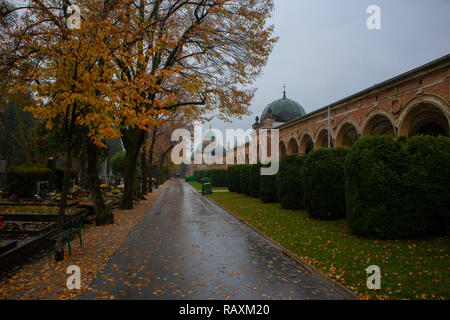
(324,183)
(231,186)
(245,179)
(219,177)
(289,182)
(254,180)
(268,188)
(21,180)
(199,175)
(399,188)
(234,178)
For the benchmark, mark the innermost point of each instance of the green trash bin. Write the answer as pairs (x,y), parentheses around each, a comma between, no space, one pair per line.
(206,186)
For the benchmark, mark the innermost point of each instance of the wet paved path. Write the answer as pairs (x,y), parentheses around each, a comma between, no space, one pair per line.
(188,248)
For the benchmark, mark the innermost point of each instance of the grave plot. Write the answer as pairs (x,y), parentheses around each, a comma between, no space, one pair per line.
(35,213)
(25,231)
(26,228)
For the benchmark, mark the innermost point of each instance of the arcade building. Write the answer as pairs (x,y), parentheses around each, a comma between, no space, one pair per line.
(413,103)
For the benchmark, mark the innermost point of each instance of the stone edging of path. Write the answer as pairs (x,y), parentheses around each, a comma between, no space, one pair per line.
(330,283)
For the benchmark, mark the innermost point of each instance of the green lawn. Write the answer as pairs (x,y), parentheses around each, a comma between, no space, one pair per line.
(198,186)
(411,269)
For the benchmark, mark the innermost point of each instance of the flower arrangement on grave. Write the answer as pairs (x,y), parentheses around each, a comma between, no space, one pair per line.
(105,188)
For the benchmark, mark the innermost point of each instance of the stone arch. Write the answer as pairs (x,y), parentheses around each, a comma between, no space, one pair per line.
(347,133)
(292,146)
(379,123)
(322,138)
(306,143)
(283,151)
(428,115)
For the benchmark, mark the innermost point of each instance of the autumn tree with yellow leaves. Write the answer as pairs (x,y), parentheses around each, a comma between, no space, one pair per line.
(68,70)
(199,56)
(131,65)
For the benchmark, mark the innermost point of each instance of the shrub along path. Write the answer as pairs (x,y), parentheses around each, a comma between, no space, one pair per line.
(411,269)
(198,186)
(188,248)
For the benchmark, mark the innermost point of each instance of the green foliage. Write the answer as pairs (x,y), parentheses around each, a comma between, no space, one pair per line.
(229,179)
(33,173)
(199,175)
(268,188)
(16,129)
(21,180)
(254,180)
(245,179)
(219,177)
(117,163)
(324,183)
(399,188)
(234,178)
(289,182)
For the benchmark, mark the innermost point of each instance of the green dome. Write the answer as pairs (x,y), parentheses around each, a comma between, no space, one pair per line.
(283,110)
(209,135)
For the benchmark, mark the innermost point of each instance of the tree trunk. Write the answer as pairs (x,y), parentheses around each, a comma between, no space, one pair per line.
(59,247)
(132,140)
(161,163)
(144,172)
(150,160)
(103,215)
(83,170)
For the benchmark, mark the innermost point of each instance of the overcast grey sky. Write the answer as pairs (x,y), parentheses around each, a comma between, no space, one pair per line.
(326,52)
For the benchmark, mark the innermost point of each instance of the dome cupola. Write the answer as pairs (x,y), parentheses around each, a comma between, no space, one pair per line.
(283,110)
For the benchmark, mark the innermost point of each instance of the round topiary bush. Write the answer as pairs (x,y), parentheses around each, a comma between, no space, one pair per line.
(324,183)
(399,188)
(289,182)
(268,189)
(245,179)
(254,181)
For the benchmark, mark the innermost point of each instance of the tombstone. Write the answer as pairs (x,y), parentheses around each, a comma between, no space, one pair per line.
(51,163)
(3,165)
(71,185)
(39,184)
